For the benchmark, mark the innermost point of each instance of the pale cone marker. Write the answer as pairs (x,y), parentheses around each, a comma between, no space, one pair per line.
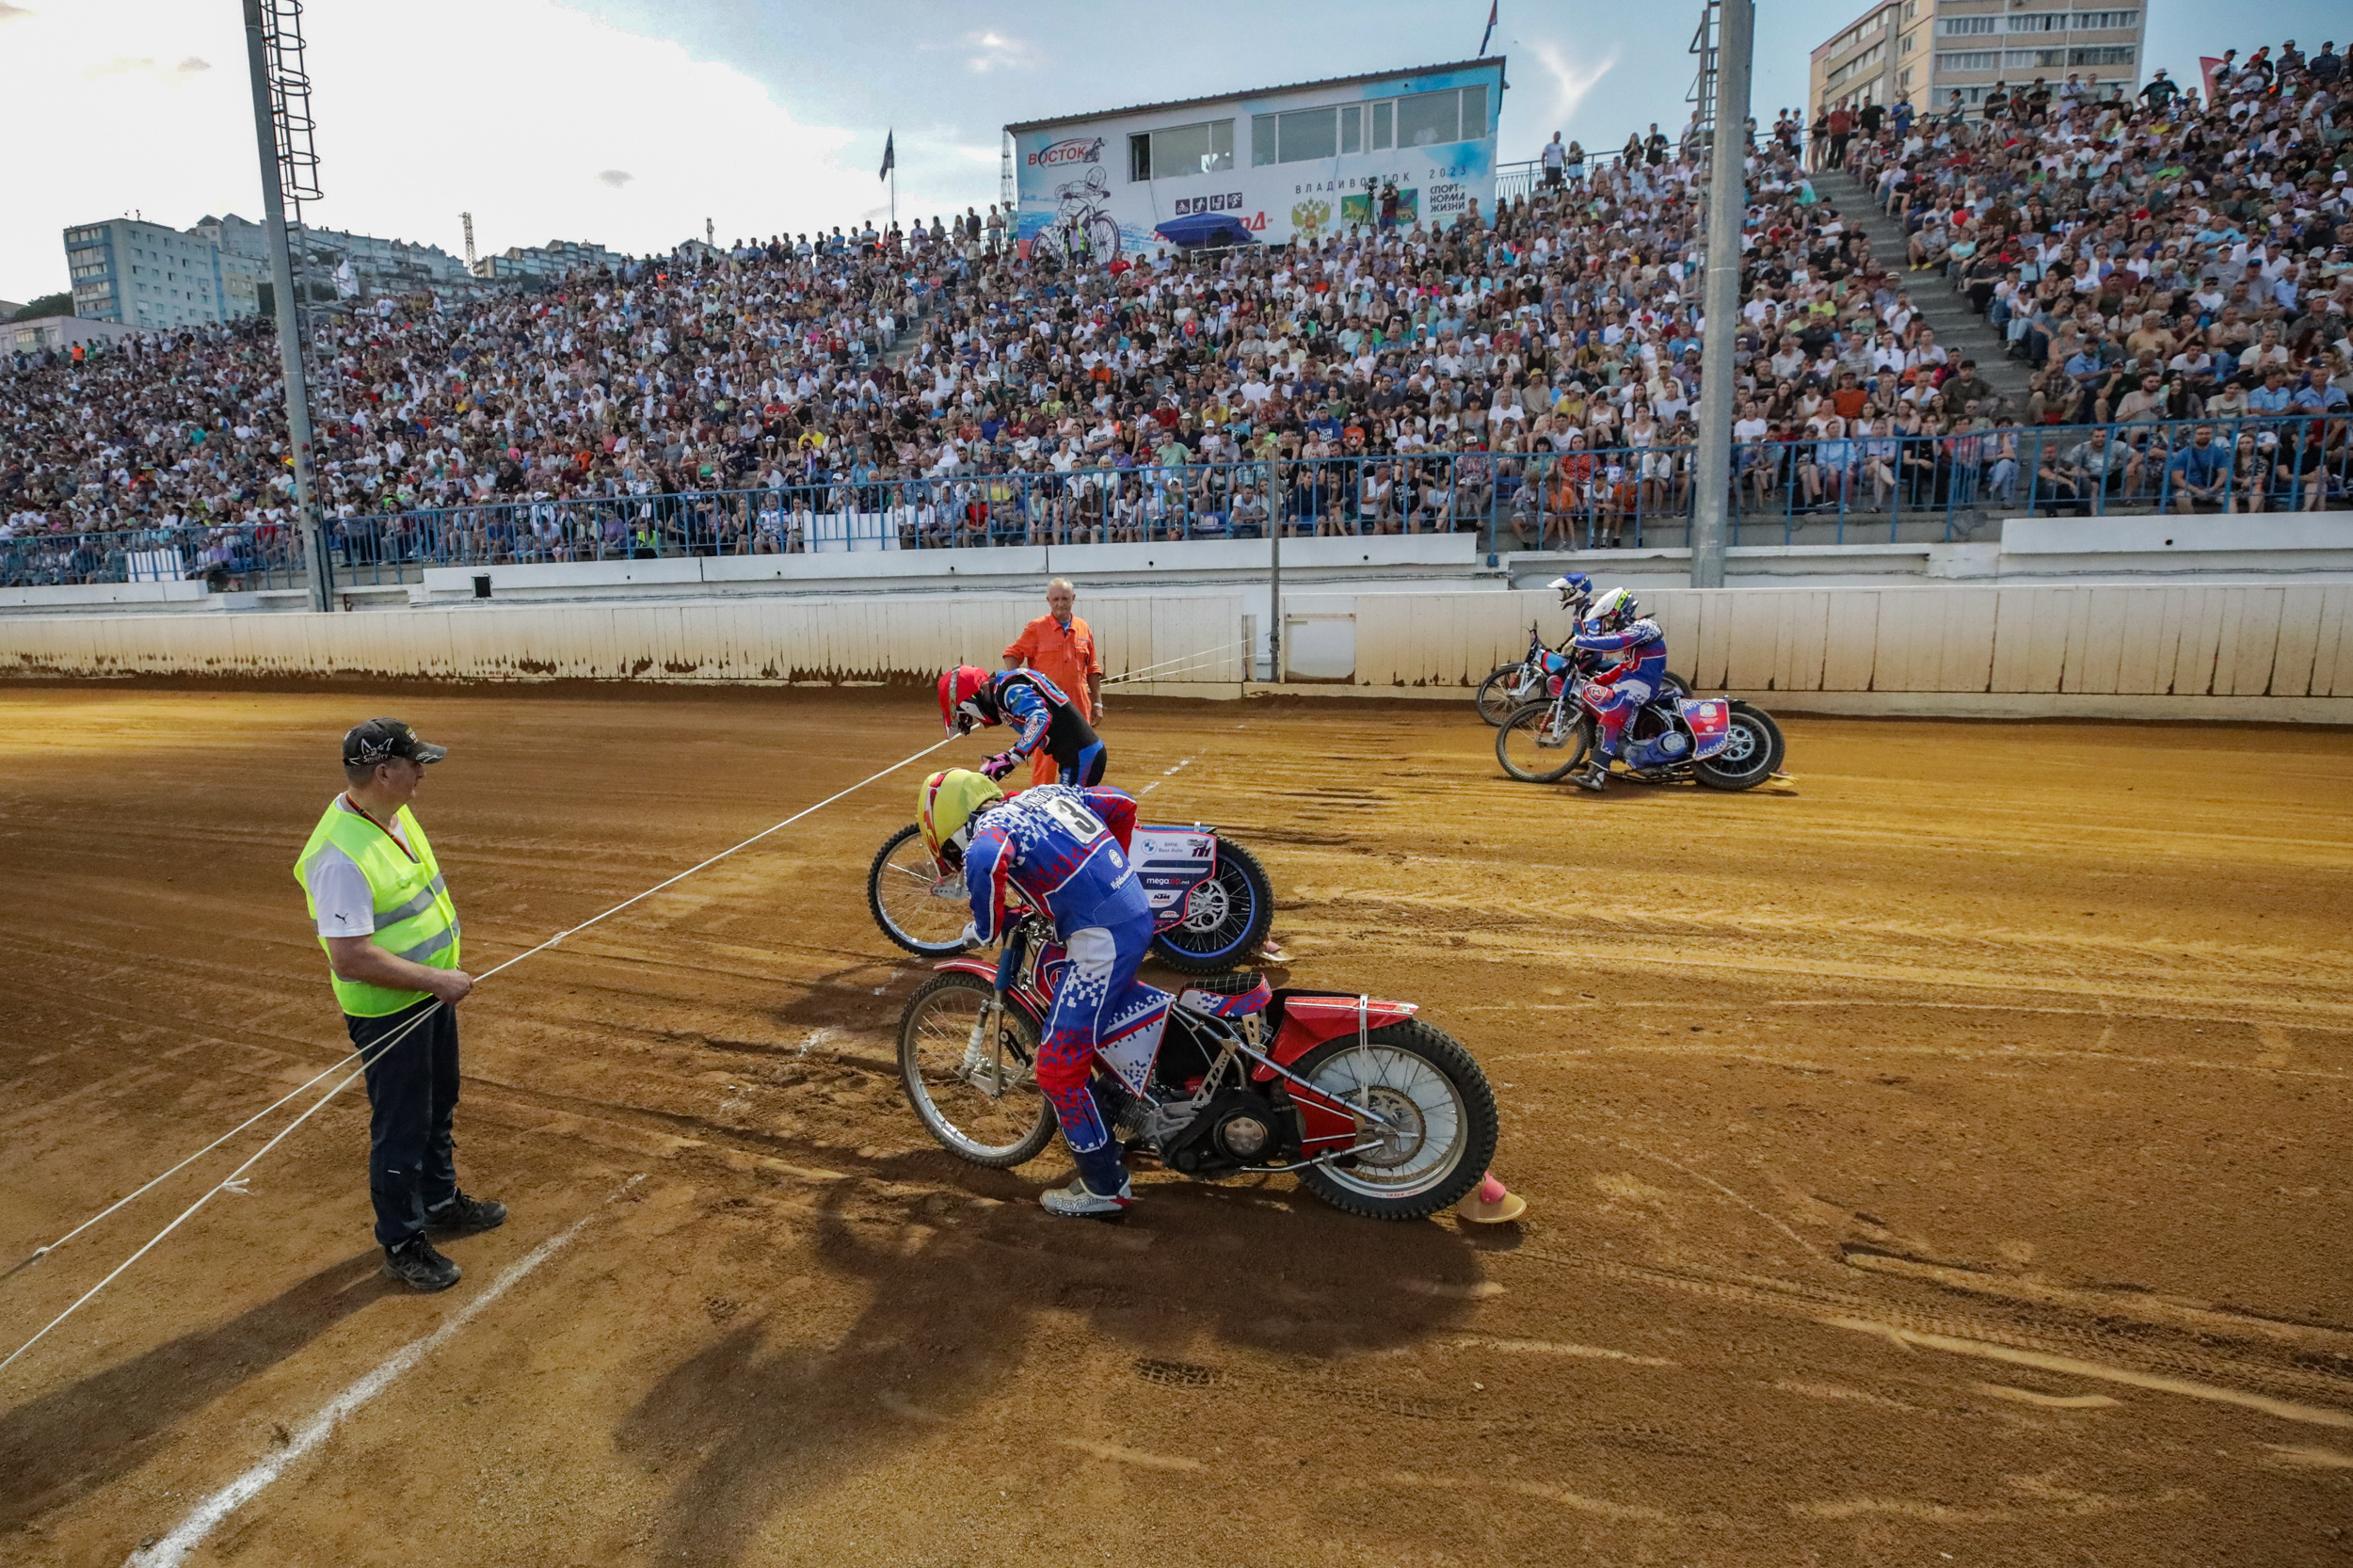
(1490,1204)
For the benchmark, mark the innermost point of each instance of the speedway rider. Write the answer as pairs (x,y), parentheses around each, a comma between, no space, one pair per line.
(1636,651)
(970,695)
(1066,850)
(1577,592)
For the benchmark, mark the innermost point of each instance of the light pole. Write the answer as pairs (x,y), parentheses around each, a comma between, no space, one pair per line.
(1727,204)
(318,573)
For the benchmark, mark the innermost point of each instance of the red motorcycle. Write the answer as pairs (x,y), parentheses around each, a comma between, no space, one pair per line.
(1719,743)
(1375,1110)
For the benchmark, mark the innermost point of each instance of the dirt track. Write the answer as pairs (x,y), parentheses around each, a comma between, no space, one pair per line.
(1945,1161)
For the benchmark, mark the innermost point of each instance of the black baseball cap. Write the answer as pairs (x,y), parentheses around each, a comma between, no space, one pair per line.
(366,744)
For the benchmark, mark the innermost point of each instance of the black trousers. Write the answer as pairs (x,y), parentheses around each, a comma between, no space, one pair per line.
(413,1099)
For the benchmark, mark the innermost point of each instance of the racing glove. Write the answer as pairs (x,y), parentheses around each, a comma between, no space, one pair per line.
(1000,764)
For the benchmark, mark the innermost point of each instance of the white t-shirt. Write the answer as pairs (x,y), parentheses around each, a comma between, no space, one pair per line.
(339,888)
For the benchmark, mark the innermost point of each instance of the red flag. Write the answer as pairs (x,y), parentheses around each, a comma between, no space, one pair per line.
(2207,65)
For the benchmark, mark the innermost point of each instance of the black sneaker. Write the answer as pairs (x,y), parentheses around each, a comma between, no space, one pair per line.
(415,1264)
(463,1216)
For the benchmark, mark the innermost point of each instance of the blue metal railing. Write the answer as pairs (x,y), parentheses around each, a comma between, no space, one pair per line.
(1878,487)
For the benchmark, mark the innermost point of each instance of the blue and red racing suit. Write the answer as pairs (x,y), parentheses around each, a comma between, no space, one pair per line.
(1066,850)
(1638,666)
(1046,719)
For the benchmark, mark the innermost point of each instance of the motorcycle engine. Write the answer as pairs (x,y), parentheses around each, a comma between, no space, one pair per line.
(1236,1128)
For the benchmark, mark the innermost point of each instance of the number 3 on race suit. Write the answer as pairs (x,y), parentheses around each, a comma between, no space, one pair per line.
(1082,824)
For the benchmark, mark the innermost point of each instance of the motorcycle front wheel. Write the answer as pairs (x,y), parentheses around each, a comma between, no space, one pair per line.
(916,906)
(1226,919)
(1542,742)
(982,1102)
(1498,694)
(1440,1111)
(1752,748)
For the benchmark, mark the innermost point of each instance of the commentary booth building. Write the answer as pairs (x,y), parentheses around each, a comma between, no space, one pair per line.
(1258,167)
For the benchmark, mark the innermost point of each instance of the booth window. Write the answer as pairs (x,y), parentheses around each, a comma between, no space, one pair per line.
(1180,149)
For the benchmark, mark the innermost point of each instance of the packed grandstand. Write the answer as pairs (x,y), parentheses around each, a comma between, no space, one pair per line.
(2170,275)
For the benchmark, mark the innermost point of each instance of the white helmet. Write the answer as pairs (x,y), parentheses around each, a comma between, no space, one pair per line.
(1613,610)
(1576,591)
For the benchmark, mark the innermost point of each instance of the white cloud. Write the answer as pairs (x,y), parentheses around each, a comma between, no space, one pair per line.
(508,109)
(1571,82)
(994,51)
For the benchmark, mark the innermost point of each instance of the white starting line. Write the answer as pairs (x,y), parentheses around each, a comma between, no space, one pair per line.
(206,1518)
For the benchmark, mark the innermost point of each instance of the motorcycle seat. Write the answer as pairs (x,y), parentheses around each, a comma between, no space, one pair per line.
(1228,995)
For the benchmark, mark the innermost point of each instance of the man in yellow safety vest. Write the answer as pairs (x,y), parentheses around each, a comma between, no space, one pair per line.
(384,916)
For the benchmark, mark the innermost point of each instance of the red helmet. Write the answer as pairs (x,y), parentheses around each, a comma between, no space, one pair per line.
(959,691)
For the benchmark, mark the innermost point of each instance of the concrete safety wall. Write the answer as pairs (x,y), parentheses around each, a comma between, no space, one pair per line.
(2155,650)
(2252,652)
(1196,639)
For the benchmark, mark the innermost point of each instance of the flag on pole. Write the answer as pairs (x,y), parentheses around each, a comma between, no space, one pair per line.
(2207,66)
(891,154)
(1493,7)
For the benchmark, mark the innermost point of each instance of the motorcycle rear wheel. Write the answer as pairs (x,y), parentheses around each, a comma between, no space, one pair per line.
(1010,1127)
(1517,749)
(1225,920)
(1495,699)
(1751,750)
(900,894)
(1441,1106)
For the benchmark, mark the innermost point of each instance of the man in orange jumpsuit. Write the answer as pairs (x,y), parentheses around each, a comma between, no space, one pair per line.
(1059,647)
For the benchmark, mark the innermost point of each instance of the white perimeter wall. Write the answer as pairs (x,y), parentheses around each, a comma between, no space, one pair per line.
(2138,651)
(2130,651)
(845,639)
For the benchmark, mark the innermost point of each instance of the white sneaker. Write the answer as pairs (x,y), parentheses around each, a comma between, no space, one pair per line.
(1077,1202)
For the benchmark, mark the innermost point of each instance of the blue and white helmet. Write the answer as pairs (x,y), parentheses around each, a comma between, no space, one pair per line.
(1613,610)
(1575,590)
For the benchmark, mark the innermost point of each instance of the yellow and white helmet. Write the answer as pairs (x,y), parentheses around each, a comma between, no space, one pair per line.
(945,807)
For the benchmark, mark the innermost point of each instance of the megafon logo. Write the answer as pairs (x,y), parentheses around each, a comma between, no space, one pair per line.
(1077,150)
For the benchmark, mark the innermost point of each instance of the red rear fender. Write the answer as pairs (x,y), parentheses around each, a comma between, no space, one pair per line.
(1311,1018)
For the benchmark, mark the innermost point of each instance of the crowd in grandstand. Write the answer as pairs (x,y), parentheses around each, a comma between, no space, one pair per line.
(2150,259)
(1531,368)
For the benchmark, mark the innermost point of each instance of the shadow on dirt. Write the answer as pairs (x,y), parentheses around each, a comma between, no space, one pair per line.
(76,1440)
(755,1422)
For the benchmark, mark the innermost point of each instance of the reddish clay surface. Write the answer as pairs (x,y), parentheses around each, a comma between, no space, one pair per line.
(1940,1159)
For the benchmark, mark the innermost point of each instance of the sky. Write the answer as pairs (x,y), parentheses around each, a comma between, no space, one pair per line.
(629,123)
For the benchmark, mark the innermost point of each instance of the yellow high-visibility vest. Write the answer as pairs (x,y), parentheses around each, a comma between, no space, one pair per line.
(414,916)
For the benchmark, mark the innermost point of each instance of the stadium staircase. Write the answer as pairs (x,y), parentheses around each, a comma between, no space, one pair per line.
(1960,329)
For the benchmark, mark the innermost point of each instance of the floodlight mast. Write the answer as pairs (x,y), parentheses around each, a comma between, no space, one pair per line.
(1724,83)
(281,132)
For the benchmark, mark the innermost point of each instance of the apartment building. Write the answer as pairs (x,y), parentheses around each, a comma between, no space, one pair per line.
(145,275)
(1929,50)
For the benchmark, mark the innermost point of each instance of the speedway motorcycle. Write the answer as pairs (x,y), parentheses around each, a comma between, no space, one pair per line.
(1376,1111)
(1510,687)
(1719,743)
(1211,902)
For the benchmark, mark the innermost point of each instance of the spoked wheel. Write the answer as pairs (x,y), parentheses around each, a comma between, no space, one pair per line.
(1752,747)
(916,906)
(980,1098)
(1541,742)
(1501,692)
(1226,919)
(1441,1116)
